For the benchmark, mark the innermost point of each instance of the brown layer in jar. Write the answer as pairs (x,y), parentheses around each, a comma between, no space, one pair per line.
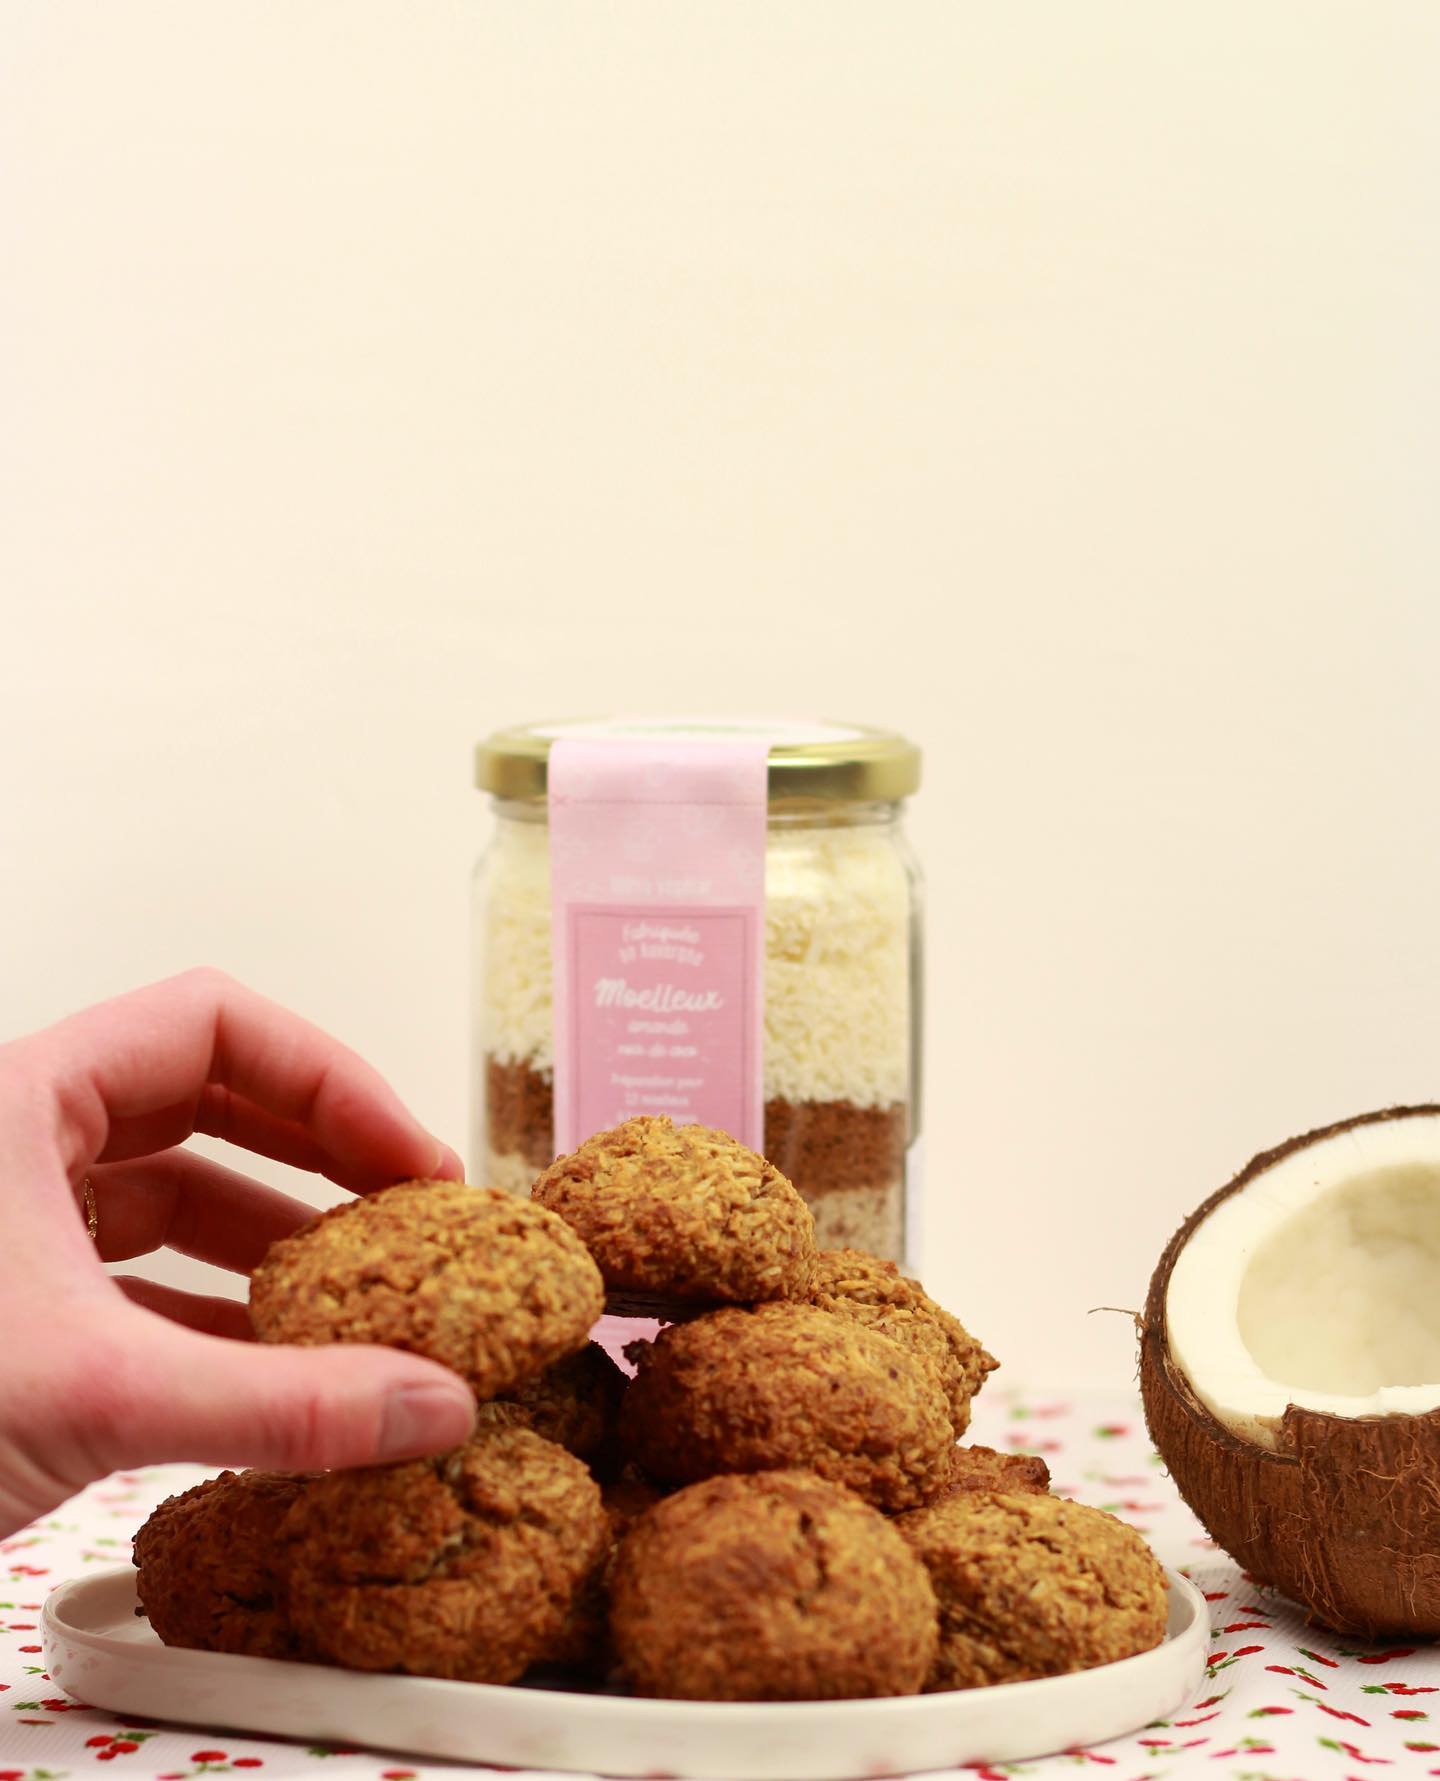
(520,1112)
(828,1147)
(849,1164)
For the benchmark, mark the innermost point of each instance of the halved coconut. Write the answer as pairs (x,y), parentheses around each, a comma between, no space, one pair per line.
(1290,1366)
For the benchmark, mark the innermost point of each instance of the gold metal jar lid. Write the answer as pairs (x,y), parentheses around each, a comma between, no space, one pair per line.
(842,762)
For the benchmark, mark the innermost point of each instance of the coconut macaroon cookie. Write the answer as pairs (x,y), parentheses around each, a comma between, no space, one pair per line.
(1032,1585)
(207,1563)
(574,1403)
(773,1587)
(468,1566)
(685,1212)
(872,1292)
(788,1385)
(983,1468)
(489,1285)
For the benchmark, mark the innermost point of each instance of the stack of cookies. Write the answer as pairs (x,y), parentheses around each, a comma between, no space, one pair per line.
(773,1507)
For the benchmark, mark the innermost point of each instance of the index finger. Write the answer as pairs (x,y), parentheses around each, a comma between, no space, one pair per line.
(159,1047)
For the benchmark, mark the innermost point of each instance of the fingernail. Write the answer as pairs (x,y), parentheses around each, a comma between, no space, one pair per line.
(420,1419)
(448,1166)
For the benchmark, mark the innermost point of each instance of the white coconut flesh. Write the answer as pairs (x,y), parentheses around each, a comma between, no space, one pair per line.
(1317,1283)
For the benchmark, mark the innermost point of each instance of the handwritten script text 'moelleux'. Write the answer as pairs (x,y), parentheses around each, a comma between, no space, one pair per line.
(659,998)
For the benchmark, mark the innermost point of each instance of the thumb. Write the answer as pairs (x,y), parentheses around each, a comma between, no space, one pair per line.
(186,1396)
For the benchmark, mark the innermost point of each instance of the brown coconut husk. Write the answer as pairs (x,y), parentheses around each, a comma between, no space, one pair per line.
(1345,1516)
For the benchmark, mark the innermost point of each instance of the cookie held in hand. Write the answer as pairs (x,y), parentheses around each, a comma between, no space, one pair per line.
(491,1286)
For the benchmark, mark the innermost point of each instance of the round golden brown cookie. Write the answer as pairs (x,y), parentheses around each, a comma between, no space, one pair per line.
(468,1566)
(774,1586)
(850,1283)
(683,1212)
(207,1563)
(1032,1585)
(586,1645)
(788,1385)
(981,1468)
(485,1283)
(575,1403)
(627,1498)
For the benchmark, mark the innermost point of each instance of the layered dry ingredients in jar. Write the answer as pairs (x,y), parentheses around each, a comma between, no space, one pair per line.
(838,1064)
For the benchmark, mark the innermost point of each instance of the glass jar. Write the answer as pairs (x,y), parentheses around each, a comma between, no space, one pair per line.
(840,1062)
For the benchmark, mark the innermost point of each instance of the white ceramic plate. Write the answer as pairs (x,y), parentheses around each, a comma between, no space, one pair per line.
(97,1649)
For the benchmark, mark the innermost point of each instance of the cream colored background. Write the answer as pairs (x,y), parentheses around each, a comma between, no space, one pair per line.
(1056,381)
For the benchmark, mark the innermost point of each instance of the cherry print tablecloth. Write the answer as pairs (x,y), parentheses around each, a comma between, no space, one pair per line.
(1282,1701)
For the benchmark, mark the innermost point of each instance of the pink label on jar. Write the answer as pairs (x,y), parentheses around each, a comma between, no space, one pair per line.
(657,888)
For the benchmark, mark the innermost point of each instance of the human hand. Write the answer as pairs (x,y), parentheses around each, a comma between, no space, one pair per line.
(99,1374)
